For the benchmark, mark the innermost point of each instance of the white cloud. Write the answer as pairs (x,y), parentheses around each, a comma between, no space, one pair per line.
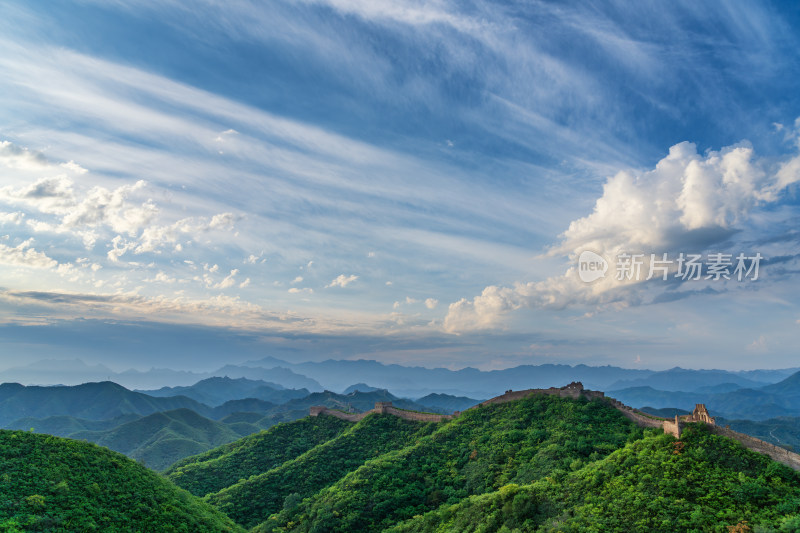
(25,255)
(298,279)
(431,303)
(14,156)
(304,290)
(410,300)
(244,284)
(342,281)
(161,277)
(102,206)
(119,247)
(410,13)
(759,345)
(11,218)
(229,280)
(688,200)
(153,238)
(97,207)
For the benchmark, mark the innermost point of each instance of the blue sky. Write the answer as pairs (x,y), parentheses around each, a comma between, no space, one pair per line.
(188,184)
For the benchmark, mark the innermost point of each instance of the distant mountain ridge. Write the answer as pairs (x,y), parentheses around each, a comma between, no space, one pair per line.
(93,401)
(76,372)
(681,379)
(761,403)
(104,400)
(447,403)
(403,381)
(216,391)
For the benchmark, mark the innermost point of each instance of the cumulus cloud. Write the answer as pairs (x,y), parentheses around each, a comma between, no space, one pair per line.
(228,281)
(431,303)
(90,213)
(11,218)
(161,277)
(688,202)
(99,206)
(154,238)
(304,290)
(342,281)
(25,255)
(102,206)
(14,156)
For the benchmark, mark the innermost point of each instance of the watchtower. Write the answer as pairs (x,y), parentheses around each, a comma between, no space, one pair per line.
(380,407)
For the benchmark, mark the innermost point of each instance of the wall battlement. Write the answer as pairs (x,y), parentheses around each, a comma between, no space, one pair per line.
(574,390)
(383,408)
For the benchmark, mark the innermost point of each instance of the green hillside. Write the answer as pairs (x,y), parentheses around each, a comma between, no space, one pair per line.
(702,483)
(253,500)
(782,431)
(160,439)
(64,425)
(479,452)
(53,484)
(224,466)
(358,400)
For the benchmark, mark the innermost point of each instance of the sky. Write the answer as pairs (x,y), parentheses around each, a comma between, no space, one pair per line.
(190,184)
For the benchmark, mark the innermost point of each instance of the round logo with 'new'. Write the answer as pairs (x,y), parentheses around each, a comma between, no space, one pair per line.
(591,266)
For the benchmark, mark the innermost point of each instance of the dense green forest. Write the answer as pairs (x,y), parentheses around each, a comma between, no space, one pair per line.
(253,500)
(253,455)
(53,484)
(478,452)
(701,483)
(160,439)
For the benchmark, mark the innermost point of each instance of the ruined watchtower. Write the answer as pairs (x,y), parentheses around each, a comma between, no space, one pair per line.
(381,407)
(700,414)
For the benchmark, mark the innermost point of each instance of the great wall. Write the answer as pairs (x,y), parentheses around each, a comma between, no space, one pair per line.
(575,390)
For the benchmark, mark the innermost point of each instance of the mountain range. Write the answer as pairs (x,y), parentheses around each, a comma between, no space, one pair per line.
(402,381)
(731,401)
(216,391)
(159,430)
(225,408)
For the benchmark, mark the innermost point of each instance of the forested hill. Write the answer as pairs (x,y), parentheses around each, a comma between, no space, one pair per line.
(541,463)
(54,484)
(702,483)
